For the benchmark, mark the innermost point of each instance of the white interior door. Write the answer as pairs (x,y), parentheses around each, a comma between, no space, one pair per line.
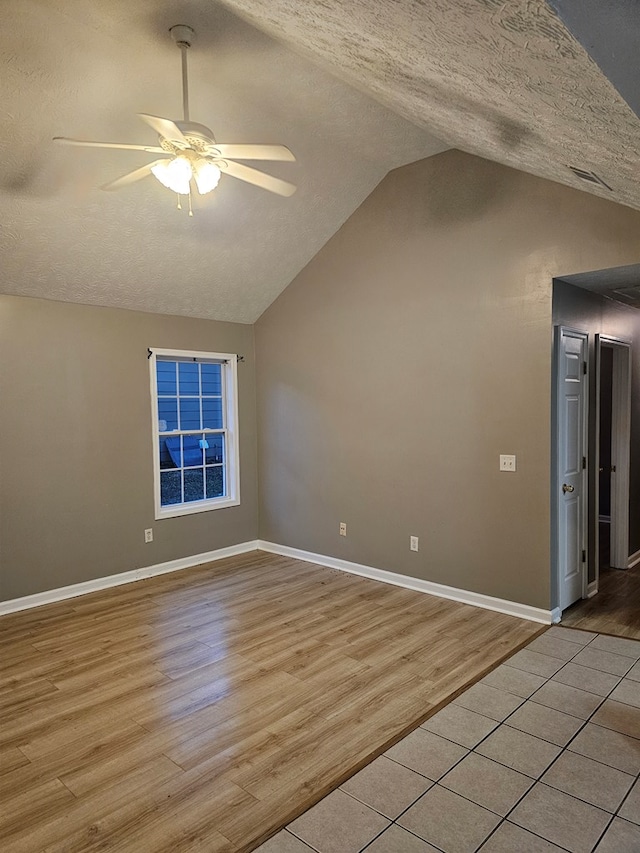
(571,469)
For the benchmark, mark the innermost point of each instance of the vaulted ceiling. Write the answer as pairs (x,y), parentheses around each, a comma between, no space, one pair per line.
(353,88)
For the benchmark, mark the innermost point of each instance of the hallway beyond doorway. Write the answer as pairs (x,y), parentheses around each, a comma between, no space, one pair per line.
(616,607)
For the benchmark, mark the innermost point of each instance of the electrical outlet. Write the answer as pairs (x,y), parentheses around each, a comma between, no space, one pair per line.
(148,534)
(413,543)
(507,463)
(343,528)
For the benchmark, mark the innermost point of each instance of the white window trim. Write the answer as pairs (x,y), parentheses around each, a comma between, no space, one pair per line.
(232,450)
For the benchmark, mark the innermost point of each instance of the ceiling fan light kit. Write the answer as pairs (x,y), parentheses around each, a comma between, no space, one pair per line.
(191,152)
(176,174)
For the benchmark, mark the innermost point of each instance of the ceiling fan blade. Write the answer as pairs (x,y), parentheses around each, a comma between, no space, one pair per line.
(64,140)
(254,152)
(166,128)
(132,177)
(253,176)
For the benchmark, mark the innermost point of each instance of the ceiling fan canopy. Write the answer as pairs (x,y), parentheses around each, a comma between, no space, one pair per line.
(191,153)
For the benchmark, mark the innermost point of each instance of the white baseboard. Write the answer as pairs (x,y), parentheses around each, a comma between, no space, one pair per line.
(592,589)
(512,608)
(85,587)
(634,559)
(556,615)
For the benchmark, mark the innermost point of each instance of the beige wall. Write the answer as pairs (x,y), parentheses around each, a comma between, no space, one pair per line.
(411,352)
(76,468)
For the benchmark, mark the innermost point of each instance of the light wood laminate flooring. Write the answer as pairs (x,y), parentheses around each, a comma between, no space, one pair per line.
(615,609)
(201,710)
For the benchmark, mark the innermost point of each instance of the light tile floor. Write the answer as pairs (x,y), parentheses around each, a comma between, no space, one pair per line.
(542,755)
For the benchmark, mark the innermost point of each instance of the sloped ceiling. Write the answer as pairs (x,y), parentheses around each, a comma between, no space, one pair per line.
(84,68)
(353,88)
(504,80)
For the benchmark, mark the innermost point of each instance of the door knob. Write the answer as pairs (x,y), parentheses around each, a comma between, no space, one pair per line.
(566,488)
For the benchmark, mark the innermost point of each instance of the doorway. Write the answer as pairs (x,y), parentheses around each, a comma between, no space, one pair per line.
(610,598)
(613,417)
(590,481)
(605,381)
(610,589)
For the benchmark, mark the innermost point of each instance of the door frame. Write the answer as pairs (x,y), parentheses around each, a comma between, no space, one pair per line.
(556,531)
(620,453)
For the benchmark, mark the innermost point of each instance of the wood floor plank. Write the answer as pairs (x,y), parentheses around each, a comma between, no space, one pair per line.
(614,610)
(117,749)
(100,774)
(203,709)
(83,824)
(190,819)
(64,710)
(10,759)
(24,808)
(18,695)
(182,812)
(71,737)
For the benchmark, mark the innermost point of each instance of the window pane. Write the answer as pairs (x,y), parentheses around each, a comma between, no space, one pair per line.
(211,413)
(170,453)
(189,378)
(170,491)
(214,453)
(189,414)
(211,379)
(167,415)
(166,377)
(192,450)
(215,482)
(193,484)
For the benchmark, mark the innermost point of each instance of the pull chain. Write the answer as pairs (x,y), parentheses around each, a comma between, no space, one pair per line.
(179,205)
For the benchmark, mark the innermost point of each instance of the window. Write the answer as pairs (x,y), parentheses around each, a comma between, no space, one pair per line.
(195,431)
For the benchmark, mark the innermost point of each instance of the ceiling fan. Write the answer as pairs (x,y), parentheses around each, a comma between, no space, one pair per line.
(190,151)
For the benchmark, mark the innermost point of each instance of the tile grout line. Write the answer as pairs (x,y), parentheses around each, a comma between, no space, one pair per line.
(393,823)
(286,829)
(625,798)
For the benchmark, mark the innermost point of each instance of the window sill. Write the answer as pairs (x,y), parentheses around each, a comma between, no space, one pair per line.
(189,509)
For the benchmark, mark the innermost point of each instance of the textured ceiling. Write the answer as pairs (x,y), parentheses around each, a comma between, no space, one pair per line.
(84,69)
(505,80)
(353,88)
